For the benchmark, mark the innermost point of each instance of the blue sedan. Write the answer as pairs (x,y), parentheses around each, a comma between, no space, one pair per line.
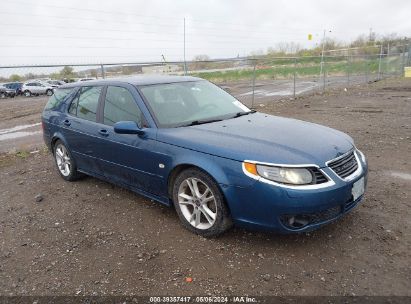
(185,142)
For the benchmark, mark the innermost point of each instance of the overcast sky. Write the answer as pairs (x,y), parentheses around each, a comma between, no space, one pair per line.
(92,31)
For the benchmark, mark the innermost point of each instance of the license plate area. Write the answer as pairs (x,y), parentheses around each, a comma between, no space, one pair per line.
(358,189)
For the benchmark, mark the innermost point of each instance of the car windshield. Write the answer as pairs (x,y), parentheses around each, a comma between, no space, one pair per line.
(190,103)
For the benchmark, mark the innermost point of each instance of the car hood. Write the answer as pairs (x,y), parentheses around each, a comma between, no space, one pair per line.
(264,138)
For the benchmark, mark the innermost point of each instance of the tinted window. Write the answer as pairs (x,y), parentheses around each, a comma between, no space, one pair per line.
(58,97)
(120,106)
(85,106)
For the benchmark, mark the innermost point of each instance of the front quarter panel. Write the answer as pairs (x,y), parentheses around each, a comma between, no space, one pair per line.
(226,172)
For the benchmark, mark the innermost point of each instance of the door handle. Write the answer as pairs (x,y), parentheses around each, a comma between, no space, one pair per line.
(103,132)
(67,122)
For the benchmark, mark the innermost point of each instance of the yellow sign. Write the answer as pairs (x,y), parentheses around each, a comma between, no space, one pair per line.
(407,71)
(310,36)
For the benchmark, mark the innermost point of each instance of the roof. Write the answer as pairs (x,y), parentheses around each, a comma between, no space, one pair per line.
(135,80)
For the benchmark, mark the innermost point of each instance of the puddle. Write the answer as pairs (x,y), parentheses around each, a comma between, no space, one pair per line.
(301,88)
(14,135)
(18,128)
(401,175)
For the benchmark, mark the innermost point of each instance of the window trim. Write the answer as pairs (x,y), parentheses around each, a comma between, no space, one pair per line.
(103,103)
(77,96)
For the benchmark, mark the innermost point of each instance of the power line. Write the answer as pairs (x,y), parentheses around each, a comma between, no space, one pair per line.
(87,38)
(83,9)
(103,47)
(144,16)
(145,32)
(84,19)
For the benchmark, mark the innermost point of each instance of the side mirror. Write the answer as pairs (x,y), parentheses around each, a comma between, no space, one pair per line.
(127,127)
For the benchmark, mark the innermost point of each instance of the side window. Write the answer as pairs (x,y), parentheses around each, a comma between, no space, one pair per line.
(58,96)
(120,106)
(85,106)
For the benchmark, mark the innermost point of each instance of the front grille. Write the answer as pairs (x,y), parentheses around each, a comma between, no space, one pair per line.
(344,166)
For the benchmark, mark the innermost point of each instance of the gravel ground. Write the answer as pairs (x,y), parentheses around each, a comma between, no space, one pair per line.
(92,238)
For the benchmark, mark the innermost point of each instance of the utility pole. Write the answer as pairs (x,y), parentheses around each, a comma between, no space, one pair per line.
(185,65)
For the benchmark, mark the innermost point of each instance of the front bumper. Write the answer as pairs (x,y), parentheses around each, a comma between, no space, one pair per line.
(267,207)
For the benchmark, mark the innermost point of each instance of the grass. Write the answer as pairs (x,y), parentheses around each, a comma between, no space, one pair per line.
(285,68)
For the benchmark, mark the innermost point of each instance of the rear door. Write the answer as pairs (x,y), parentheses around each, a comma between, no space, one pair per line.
(127,158)
(81,129)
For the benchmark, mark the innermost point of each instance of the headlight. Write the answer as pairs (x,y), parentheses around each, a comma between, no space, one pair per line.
(294,176)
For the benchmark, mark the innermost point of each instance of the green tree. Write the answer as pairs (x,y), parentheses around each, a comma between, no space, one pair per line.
(67,72)
(15,77)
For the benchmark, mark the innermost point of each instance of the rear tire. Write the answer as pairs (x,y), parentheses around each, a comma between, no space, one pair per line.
(49,92)
(27,93)
(200,204)
(66,165)
(2,95)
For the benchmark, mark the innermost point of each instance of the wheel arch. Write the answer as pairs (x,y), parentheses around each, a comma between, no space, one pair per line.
(55,138)
(213,171)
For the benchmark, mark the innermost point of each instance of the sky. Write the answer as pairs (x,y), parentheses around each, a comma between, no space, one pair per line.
(129,31)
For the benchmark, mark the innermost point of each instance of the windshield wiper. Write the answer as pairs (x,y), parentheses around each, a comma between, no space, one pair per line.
(238,114)
(200,122)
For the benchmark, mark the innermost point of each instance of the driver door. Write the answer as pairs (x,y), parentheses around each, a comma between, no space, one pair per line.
(127,158)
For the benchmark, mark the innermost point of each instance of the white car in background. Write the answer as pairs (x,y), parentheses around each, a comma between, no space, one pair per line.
(55,83)
(37,87)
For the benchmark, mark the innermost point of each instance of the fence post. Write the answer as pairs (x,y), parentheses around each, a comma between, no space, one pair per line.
(367,71)
(252,98)
(103,74)
(295,75)
(379,64)
(348,70)
(403,63)
(324,75)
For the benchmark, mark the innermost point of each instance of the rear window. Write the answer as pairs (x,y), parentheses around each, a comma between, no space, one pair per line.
(58,97)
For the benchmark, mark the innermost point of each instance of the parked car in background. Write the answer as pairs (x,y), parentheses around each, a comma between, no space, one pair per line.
(55,83)
(6,92)
(186,143)
(37,87)
(16,86)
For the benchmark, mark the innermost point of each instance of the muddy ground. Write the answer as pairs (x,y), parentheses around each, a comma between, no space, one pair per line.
(92,238)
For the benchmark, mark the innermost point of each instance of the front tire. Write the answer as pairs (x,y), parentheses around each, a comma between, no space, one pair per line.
(65,163)
(27,93)
(49,92)
(200,203)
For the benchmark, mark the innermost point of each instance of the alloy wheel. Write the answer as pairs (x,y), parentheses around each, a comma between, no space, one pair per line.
(197,203)
(63,160)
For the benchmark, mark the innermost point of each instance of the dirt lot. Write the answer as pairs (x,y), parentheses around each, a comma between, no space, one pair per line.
(92,238)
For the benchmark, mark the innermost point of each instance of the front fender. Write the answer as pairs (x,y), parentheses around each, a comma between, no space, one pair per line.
(226,172)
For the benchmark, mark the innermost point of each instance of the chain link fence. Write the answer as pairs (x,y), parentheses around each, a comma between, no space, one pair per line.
(251,80)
